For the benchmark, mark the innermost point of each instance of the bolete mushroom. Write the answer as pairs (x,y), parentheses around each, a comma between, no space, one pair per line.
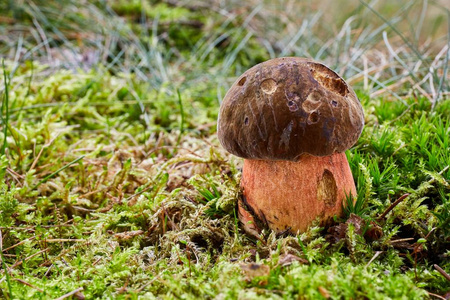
(291,119)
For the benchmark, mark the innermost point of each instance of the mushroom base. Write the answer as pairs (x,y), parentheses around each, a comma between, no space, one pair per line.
(289,196)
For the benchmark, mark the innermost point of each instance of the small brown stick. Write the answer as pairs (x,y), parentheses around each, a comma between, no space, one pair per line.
(48,270)
(94,192)
(428,234)
(401,240)
(18,244)
(206,126)
(403,197)
(172,223)
(29,257)
(70,294)
(37,158)
(148,283)
(443,170)
(190,151)
(443,273)
(437,296)
(33,227)
(63,240)
(28,284)
(390,87)
(65,224)
(33,165)
(97,261)
(373,258)
(123,289)
(140,192)
(14,175)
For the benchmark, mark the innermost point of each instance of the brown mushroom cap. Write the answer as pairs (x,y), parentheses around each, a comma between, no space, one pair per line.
(286,107)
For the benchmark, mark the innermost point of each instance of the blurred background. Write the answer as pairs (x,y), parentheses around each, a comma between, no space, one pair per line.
(392,48)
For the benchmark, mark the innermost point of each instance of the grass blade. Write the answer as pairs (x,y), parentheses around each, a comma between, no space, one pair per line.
(57,171)
(5,107)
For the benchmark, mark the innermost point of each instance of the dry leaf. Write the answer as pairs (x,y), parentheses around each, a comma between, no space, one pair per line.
(127,235)
(254,270)
(288,259)
(324,292)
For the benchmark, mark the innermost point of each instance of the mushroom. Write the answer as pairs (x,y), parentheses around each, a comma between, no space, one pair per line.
(291,119)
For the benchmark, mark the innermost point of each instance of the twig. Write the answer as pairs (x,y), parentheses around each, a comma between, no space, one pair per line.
(373,258)
(443,170)
(48,270)
(401,240)
(47,240)
(63,240)
(390,87)
(123,289)
(42,150)
(70,294)
(437,296)
(429,233)
(96,262)
(42,226)
(94,192)
(37,158)
(13,175)
(28,258)
(148,283)
(28,284)
(18,244)
(172,223)
(440,270)
(140,192)
(403,197)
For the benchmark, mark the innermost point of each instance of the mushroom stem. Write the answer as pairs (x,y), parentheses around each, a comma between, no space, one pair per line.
(289,196)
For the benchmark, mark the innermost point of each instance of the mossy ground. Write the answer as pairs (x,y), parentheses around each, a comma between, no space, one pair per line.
(114,185)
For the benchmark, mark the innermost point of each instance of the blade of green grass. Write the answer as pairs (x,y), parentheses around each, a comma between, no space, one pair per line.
(5,107)
(57,171)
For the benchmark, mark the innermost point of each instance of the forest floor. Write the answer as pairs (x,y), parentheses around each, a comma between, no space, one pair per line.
(114,185)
